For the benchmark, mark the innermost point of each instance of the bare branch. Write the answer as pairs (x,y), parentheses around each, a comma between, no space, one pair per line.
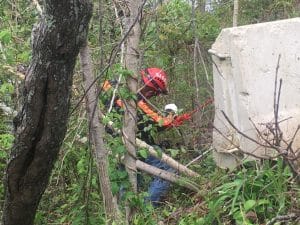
(242,133)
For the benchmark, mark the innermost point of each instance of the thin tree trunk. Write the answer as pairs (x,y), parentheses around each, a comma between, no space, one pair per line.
(41,125)
(235,13)
(96,130)
(132,21)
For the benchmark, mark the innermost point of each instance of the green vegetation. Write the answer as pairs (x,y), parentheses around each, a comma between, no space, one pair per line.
(252,194)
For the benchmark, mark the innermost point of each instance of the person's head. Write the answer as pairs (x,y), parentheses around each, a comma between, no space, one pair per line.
(154,81)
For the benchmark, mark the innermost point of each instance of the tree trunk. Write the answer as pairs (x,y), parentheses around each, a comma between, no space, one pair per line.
(132,21)
(96,130)
(235,13)
(41,124)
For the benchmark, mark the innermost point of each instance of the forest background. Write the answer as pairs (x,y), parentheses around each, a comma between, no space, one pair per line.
(176,36)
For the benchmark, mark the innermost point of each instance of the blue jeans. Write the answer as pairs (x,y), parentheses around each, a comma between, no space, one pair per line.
(158,186)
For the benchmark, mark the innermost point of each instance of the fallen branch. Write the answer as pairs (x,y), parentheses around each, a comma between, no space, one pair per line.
(174,178)
(291,217)
(166,159)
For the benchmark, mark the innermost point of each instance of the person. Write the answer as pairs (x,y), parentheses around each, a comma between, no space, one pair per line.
(154,83)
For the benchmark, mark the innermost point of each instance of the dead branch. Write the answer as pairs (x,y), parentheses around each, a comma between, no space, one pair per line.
(241,150)
(174,178)
(166,159)
(199,157)
(242,133)
(286,218)
(163,157)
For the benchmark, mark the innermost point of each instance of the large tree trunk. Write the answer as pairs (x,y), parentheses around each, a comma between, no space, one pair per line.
(41,125)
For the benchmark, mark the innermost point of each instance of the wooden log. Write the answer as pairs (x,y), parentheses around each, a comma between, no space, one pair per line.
(174,178)
(166,159)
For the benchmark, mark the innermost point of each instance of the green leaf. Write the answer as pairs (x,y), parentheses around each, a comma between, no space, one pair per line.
(174,152)
(24,56)
(114,187)
(249,204)
(6,88)
(263,202)
(120,149)
(144,153)
(5,36)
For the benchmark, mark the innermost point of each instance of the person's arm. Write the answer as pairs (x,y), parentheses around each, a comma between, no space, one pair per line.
(178,120)
(163,121)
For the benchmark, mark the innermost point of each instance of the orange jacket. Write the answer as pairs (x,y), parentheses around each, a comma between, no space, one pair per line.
(161,120)
(155,116)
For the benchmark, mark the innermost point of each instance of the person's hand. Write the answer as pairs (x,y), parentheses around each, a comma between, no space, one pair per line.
(183,117)
(179,119)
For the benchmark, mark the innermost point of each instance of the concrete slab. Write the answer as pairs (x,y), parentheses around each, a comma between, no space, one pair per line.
(245,60)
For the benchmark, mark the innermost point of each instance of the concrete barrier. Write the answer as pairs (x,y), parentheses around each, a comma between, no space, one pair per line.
(245,60)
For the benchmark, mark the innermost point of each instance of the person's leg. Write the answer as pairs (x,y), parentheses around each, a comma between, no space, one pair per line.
(157,189)
(158,186)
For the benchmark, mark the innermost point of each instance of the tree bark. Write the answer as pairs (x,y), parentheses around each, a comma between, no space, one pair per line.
(132,64)
(41,124)
(97,132)
(132,21)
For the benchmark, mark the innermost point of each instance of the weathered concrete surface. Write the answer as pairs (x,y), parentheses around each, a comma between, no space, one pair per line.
(244,79)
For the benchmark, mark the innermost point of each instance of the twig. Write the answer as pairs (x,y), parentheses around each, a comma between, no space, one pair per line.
(286,152)
(260,134)
(121,62)
(241,133)
(238,147)
(276,101)
(199,157)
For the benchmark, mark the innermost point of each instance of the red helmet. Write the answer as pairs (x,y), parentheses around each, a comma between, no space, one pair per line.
(155,78)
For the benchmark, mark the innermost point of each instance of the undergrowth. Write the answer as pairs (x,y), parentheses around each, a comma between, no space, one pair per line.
(252,194)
